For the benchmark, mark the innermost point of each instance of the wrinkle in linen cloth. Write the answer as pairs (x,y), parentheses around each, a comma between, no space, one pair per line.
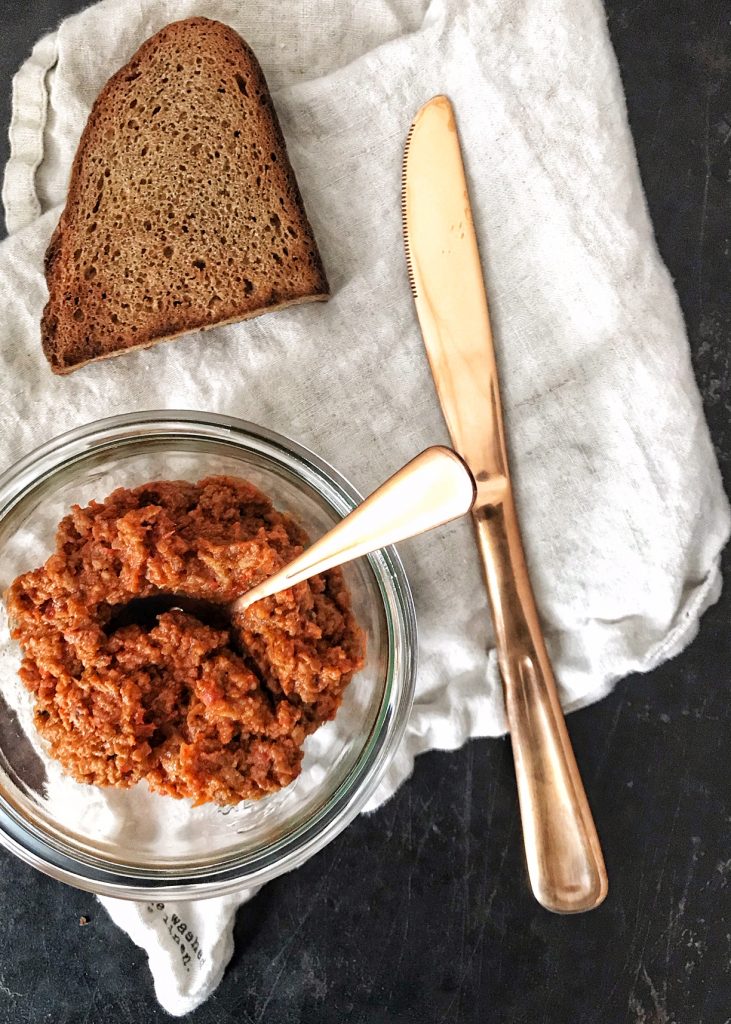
(620,496)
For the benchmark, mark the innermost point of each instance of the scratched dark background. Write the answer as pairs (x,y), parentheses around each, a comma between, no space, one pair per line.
(421,913)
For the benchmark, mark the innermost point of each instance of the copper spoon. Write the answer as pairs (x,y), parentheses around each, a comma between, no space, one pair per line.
(427,492)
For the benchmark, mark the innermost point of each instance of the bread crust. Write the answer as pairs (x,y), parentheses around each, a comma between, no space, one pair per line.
(183,211)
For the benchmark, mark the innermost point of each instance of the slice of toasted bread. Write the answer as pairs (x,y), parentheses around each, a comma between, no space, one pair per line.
(183,211)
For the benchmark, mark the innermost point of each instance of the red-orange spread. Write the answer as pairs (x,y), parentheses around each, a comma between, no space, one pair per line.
(212,711)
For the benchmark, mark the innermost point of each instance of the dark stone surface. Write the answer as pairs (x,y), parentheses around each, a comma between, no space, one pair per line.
(421,913)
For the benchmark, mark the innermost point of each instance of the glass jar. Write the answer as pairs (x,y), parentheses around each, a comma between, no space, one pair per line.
(135,843)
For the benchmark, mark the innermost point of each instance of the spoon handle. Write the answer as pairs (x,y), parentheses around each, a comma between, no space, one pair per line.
(429,491)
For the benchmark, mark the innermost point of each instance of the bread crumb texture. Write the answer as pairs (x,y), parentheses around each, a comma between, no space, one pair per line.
(183,211)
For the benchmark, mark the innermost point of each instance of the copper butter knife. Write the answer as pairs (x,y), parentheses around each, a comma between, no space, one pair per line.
(564,857)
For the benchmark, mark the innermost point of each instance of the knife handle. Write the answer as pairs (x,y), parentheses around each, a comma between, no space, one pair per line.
(565,861)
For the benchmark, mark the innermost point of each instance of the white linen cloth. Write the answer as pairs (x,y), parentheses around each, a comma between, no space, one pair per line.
(617,485)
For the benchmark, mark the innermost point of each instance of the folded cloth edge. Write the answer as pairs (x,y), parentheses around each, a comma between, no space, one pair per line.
(19,196)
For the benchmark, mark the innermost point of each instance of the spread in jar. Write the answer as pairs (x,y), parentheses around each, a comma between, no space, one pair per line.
(209,710)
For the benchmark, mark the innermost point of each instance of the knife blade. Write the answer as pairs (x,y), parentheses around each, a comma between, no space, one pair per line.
(564,857)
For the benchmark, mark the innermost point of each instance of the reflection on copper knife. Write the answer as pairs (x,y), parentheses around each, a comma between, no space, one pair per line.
(564,857)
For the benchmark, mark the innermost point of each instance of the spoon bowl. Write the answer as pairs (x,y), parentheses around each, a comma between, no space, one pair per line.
(429,491)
